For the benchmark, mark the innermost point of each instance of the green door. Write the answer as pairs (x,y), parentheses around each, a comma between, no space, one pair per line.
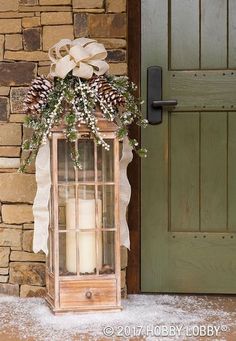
(189,178)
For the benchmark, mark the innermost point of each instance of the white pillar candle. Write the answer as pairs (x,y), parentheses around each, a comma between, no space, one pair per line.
(86,240)
(71,248)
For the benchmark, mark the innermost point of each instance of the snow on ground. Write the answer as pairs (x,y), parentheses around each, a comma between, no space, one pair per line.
(32,319)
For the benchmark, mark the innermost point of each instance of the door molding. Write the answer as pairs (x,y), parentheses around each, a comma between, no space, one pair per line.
(134,169)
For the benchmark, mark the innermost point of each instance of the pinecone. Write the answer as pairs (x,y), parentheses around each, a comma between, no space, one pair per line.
(37,95)
(107,91)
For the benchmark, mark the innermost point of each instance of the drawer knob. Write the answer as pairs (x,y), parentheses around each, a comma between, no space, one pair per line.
(88,294)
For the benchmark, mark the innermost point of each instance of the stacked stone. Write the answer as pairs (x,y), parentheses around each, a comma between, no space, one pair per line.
(27,29)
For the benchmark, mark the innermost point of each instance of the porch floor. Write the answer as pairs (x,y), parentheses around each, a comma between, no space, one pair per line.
(144,317)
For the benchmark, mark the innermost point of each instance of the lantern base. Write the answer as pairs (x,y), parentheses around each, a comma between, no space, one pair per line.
(83,296)
(81,310)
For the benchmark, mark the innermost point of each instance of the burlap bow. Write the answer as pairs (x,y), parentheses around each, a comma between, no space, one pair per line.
(82,56)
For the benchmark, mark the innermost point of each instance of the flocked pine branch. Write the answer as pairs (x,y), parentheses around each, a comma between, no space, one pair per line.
(73,101)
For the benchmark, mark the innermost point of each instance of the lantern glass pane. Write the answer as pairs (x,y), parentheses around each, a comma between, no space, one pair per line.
(86,152)
(50,250)
(66,170)
(107,253)
(87,252)
(86,207)
(78,213)
(86,222)
(65,194)
(105,162)
(67,253)
(51,218)
(107,195)
(51,246)
(86,192)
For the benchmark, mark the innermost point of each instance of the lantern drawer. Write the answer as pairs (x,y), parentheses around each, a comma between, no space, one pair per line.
(88,293)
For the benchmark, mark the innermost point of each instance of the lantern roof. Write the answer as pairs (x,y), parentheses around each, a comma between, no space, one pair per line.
(103,124)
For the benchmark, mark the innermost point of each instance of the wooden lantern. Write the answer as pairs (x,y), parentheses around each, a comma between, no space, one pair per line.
(83,265)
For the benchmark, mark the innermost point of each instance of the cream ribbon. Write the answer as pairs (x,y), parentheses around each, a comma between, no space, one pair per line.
(41,201)
(82,56)
(125,192)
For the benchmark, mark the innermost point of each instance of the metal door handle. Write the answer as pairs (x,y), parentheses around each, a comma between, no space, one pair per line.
(166,103)
(155,103)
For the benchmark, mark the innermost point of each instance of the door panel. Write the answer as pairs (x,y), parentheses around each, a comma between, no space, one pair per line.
(232,34)
(184,34)
(213,172)
(184,172)
(201,263)
(232,172)
(202,90)
(213,21)
(188,180)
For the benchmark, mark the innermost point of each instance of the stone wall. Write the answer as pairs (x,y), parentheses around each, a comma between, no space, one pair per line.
(27,29)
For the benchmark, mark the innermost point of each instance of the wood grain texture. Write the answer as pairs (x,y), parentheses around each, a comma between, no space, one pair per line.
(50,286)
(117,249)
(54,166)
(155,166)
(184,34)
(214,171)
(232,34)
(232,172)
(154,204)
(188,180)
(184,171)
(134,169)
(66,293)
(214,34)
(75,293)
(203,90)
(102,124)
(201,263)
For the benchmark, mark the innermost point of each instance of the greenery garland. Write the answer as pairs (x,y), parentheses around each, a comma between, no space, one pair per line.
(73,101)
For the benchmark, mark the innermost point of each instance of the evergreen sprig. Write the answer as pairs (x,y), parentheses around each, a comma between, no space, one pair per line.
(72,102)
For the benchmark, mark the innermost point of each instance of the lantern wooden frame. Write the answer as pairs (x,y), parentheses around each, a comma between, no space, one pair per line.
(83,293)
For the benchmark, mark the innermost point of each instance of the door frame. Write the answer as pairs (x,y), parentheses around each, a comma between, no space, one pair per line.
(134,169)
